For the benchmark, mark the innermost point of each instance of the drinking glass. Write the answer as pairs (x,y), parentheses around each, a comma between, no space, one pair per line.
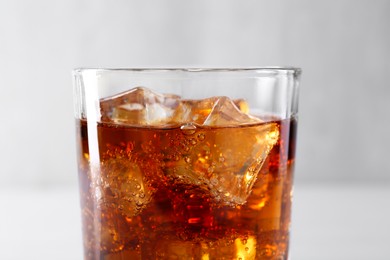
(186,163)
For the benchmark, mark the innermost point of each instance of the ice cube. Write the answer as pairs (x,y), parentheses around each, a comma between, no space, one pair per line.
(139,106)
(242,105)
(193,111)
(226,113)
(215,111)
(231,159)
(123,186)
(225,161)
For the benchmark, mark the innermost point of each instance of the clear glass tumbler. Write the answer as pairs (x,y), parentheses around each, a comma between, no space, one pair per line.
(186,163)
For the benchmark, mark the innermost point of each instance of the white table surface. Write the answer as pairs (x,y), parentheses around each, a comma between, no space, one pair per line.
(329,222)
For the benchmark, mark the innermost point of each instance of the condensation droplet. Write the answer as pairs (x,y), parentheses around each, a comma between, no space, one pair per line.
(142,195)
(138,186)
(246,248)
(188,129)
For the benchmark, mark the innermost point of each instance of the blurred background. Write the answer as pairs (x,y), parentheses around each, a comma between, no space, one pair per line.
(342,47)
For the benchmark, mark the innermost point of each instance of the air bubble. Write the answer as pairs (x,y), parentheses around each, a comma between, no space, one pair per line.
(187,159)
(267,251)
(201,136)
(188,129)
(193,141)
(138,186)
(142,195)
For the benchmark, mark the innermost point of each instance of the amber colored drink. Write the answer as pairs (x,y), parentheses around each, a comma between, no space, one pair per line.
(199,192)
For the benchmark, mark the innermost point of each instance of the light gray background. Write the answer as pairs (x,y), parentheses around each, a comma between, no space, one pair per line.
(342,46)
(343,173)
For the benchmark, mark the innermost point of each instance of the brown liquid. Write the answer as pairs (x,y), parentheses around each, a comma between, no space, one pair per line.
(150,193)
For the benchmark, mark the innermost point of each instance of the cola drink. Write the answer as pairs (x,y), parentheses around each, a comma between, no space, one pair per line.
(167,178)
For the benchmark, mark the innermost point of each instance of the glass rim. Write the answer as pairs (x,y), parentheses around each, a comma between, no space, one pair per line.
(289,69)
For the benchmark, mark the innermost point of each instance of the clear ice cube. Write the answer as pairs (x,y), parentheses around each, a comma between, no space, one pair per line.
(226,113)
(193,111)
(224,161)
(139,106)
(215,111)
(122,185)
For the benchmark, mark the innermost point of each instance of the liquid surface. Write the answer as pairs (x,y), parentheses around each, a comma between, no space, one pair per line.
(186,192)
